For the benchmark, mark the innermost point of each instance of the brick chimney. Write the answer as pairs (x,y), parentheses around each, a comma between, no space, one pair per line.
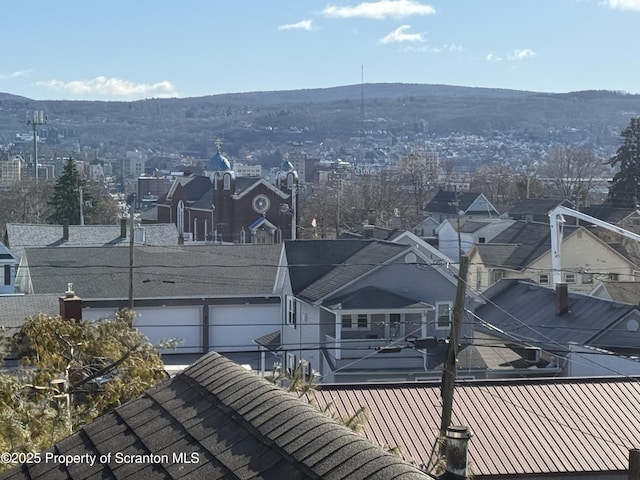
(562,298)
(65,229)
(70,305)
(457,452)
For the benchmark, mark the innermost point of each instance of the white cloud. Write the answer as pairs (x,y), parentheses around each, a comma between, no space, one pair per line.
(16,74)
(380,10)
(521,54)
(111,87)
(493,58)
(624,4)
(400,35)
(301,25)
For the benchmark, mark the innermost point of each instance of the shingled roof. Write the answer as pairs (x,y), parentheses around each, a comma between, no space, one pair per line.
(172,271)
(238,425)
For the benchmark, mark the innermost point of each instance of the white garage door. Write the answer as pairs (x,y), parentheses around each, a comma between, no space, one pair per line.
(232,328)
(183,324)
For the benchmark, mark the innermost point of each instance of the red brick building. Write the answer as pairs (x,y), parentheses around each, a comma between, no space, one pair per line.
(220,206)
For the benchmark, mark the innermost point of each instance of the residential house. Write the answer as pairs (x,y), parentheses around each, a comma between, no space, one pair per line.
(471,232)
(523,429)
(624,292)
(207,297)
(223,207)
(426,228)
(523,250)
(536,209)
(449,205)
(553,319)
(215,421)
(8,267)
(353,309)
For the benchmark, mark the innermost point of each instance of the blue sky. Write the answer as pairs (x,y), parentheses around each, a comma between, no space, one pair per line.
(133,49)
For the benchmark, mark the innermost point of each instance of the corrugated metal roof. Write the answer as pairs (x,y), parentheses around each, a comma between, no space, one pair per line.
(529,427)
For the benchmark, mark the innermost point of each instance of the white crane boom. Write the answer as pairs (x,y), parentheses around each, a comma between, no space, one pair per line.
(556,222)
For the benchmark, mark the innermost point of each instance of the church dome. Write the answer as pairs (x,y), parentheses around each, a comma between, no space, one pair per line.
(286,166)
(219,163)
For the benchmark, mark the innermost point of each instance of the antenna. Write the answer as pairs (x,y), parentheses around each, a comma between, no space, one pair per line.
(35,119)
(362,96)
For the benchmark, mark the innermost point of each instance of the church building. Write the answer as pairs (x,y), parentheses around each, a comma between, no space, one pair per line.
(221,206)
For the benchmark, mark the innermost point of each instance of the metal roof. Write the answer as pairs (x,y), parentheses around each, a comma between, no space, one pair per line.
(530,427)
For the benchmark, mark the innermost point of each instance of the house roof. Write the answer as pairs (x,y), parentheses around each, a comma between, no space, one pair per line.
(240,426)
(372,298)
(308,260)
(444,202)
(171,271)
(365,257)
(607,212)
(525,311)
(22,235)
(624,292)
(533,239)
(522,428)
(379,233)
(15,308)
(537,206)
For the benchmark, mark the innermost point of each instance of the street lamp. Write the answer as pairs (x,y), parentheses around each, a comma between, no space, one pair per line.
(35,119)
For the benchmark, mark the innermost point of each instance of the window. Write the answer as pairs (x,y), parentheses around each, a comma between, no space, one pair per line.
(482,240)
(587,278)
(7,274)
(614,277)
(227,182)
(443,312)
(478,278)
(291,311)
(543,279)
(570,277)
(497,275)
(355,322)
(180,221)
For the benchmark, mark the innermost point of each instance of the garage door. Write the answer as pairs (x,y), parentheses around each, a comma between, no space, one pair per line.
(183,324)
(232,328)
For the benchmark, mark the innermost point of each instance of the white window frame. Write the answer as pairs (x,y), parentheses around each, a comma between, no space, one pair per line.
(570,278)
(543,276)
(355,324)
(449,306)
(291,313)
(226,181)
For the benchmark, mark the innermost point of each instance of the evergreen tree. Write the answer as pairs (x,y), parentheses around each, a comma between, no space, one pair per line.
(625,187)
(65,201)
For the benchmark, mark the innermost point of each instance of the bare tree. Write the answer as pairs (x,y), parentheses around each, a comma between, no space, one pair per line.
(571,172)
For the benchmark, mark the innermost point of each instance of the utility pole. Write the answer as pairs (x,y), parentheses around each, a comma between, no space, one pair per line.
(36,119)
(131,232)
(81,207)
(450,363)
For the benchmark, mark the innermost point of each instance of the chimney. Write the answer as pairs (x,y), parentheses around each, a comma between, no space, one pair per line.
(70,305)
(562,298)
(65,229)
(368,231)
(457,452)
(123,228)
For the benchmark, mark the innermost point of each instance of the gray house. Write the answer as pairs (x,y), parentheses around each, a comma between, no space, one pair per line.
(8,267)
(354,309)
